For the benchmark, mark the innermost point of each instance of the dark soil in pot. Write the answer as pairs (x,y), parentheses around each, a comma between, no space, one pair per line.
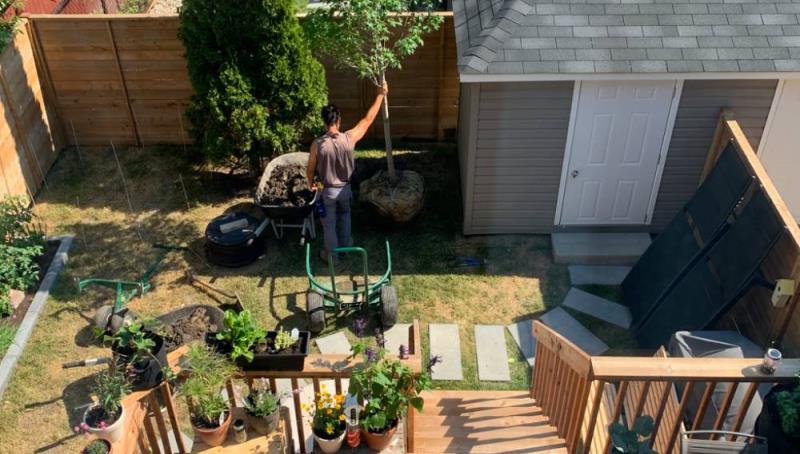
(96,415)
(147,370)
(287,187)
(768,425)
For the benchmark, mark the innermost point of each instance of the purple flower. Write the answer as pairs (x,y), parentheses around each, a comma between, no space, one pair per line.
(403,352)
(359,325)
(379,339)
(434,360)
(370,353)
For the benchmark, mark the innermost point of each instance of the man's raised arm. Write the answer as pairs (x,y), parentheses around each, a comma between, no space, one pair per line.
(358,132)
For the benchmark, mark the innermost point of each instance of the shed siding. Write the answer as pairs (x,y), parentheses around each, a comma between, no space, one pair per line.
(698,114)
(519,151)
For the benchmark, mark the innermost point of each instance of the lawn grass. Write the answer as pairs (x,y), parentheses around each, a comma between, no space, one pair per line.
(85,196)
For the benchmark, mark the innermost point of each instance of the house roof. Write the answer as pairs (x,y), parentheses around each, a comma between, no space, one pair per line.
(626,36)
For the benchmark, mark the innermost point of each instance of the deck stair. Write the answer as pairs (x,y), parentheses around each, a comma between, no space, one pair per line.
(484,422)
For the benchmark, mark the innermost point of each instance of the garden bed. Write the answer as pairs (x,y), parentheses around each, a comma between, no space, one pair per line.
(43,262)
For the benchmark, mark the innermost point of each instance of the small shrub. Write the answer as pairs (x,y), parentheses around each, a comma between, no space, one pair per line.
(5,302)
(21,244)
(8,25)
(133,6)
(209,372)
(261,403)
(788,403)
(110,387)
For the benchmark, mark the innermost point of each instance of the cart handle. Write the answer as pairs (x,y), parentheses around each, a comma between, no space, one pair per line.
(314,283)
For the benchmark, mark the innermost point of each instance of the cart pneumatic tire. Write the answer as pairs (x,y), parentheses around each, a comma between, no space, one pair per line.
(316,312)
(388,306)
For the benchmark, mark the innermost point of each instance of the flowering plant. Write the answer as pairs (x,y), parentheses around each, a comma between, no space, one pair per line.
(328,415)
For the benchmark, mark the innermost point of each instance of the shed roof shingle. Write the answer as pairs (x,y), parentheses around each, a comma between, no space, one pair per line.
(623,36)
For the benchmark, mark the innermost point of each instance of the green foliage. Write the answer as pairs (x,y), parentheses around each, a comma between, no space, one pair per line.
(21,243)
(634,440)
(386,387)
(209,371)
(96,447)
(8,25)
(133,335)
(788,403)
(283,340)
(133,6)
(257,87)
(7,332)
(110,387)
(242,332)
(371,36)
(5,302)
(261,403)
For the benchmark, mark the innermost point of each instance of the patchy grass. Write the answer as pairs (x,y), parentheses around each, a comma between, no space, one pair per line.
(7,332)
(85,196)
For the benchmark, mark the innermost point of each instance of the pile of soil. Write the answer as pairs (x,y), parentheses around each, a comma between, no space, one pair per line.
(188,329)
(286,187)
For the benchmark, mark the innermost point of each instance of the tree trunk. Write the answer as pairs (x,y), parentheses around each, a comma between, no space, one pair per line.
(387,135)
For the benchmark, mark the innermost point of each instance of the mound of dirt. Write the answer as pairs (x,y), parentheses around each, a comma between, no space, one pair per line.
(191,328)
(286,187)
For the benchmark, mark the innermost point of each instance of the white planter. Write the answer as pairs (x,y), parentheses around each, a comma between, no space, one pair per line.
(112,433)
(330,446)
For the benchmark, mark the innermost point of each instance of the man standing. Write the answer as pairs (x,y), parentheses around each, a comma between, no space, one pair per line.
(331,159)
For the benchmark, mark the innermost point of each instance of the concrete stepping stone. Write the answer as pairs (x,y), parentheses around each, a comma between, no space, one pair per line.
(395,337)
(445,342)
(597,307)
(490,345)
(599,248)
(567,326)
(522,332)
(335,344)
(598,274)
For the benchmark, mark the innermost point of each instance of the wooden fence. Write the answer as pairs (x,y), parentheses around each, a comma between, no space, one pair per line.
(124,78)
(27,144)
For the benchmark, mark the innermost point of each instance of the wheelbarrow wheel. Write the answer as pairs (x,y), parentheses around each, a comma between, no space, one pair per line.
(316,311)
(388,306)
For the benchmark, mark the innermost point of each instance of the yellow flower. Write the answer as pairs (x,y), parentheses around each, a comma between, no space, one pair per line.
(342,418)
(329,429)
(329,411)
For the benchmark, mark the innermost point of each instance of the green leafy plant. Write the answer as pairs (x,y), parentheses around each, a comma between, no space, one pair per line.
(261,403)
(133,335)
(5,302)
(209,372)
(7,333)
(788,404)
(110,387)
(387,388)
(328,419)
(634,440)
(371,37)
(9,22)
(257,87)
(21,244)
(97,447)
(242,332)
(284,340)
(133,6)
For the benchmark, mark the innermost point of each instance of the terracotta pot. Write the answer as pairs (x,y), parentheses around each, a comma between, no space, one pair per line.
(112,433)
(329,446)
(214,437)
(378,441)
(264,425)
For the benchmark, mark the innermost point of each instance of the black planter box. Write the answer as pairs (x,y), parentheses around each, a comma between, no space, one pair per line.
(270,361)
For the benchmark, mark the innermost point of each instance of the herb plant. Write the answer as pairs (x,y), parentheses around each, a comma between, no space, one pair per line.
(788,404)
(261,403)
(242,333)
(283,340)
(370,37)
(634,440)
(387,388)
(209,372)
(110,387)
(96,447)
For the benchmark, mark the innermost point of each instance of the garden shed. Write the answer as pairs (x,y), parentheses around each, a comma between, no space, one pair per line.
(601,113)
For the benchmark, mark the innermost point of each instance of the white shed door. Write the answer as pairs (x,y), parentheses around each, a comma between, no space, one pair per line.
(780,152)
(617,137)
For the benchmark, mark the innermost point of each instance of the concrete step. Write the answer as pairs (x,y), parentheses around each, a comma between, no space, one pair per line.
(446,343)
(567,326)
(599,248)
(490,345)
(598,274)
(522,332)
(395,337)
(334,344)
(600,308)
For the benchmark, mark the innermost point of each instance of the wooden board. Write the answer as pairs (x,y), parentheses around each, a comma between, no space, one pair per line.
(274,443)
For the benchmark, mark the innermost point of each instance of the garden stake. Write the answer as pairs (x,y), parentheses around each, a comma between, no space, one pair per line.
(125,188)
(185,195)
(77,145)
(83,231)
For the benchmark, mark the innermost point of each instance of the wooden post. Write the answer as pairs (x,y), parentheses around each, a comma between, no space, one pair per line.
(438,133)
(48,89)
(127,99)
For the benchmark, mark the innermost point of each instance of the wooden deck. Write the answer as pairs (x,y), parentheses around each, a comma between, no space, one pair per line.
(484,422)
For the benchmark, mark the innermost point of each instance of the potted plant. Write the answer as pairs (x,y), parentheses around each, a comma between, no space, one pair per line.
(780,418)
(105,418)
(387,387)
(634,440)
(97,447)
(262,409)
(141,351)
(256,349)
(328,421)
(208,373)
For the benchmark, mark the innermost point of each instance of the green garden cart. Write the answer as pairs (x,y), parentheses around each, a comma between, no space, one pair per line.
(364,295)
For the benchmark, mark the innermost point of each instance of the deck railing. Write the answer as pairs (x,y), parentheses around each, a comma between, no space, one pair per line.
(150,415)
(583,395)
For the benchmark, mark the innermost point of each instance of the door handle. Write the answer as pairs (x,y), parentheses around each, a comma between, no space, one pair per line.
(575,173)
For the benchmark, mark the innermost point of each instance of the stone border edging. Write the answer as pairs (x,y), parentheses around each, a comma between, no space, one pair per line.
(38,303)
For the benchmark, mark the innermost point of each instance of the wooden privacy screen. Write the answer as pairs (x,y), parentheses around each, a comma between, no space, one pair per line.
(27,147)
(124,78)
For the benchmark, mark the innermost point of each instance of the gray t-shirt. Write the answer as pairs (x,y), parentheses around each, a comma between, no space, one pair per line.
(335,162)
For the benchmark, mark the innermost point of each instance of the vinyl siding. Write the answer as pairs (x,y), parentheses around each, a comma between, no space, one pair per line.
(519,150)
(698,113)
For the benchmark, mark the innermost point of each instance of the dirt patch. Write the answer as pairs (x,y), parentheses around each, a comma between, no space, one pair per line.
(188,329)
(287,187)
